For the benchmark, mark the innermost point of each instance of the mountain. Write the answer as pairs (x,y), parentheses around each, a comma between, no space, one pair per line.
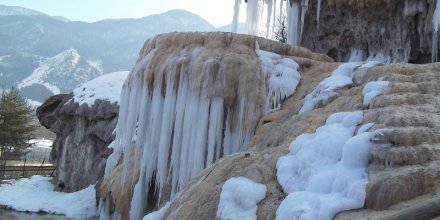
(12,10)
(34,47)
(58,74)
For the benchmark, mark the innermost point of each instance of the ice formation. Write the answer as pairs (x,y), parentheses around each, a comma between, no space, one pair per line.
(261,14)
(37,194)
(328,88)
(183,108)
(325,172)
(239,198)
(436,35)
(157,215)
(105,87)
(283,77)
(373,89)
(236,16)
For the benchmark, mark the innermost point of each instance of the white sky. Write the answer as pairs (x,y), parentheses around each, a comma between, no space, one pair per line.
(216,12)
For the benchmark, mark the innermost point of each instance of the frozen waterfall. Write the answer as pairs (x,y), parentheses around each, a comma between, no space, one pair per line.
(185,106)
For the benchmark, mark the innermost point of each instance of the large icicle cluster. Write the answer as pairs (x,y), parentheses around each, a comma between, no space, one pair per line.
(325,172)
(185,105)
(261,17)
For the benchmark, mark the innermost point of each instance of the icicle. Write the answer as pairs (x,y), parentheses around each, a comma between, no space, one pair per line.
(435,35)
(295,21)
(274,19)
(292,23)
(269,16)
(236,16)
(253,17)
(318,12)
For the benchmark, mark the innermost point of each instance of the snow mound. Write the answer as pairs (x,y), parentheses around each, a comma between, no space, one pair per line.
(105,87)
(328,88)
(37,194)
(373,89)
(157,215)
(325,172)
(283,77)
(239,198)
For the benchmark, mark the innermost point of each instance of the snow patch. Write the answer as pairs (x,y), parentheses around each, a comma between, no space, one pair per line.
(41,143)
(105,87)
(325,172)
(33,103)
(239,198)
(37,194)
(283,77)
(40,73)
(158,215)
(328,88)
(373,89)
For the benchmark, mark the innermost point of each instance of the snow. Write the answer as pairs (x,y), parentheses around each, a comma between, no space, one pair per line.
(325,172)
(239,198)
(373,89)
(41,143)
(157,215)
(33,103)
(283,77)
(39,74)
(105,87)
(37,194)
(328,88)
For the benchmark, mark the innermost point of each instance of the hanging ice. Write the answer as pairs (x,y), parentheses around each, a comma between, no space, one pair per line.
(283,77)
(236,16)
(435,34)
(325,172)
(185,105)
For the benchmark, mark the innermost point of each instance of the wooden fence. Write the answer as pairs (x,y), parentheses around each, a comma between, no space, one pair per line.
(23,170)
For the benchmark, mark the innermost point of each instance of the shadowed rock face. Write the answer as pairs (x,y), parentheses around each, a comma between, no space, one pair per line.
(401,30)
(82,133)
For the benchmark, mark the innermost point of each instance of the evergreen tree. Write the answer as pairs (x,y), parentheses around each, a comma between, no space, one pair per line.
(15,124)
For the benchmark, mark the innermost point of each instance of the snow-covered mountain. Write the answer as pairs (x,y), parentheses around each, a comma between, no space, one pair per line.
(44,55)
(58,74)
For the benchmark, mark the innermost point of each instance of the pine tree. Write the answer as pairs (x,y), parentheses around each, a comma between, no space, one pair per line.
(15,124)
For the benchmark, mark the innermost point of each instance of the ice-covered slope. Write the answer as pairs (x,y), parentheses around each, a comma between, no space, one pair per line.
(61,73)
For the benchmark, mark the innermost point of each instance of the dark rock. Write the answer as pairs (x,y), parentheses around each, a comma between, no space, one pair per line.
(83,133)
(401,30)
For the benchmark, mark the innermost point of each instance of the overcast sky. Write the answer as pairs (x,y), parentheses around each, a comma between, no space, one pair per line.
(216,12)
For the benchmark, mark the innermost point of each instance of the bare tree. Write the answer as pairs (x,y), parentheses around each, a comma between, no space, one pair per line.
(281,28)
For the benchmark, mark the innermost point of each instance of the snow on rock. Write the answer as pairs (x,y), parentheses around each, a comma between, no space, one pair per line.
(373,89)
(157,215)
(239,198)
(37,194)
(283,77)
(53,72)
(325,172)
(105,87)
(41,143)
(328,88)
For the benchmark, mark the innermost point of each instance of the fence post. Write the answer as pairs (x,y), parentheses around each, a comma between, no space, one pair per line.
(24,168)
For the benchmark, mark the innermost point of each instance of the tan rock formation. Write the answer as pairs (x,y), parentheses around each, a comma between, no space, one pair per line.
(410,169)
(399,176)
